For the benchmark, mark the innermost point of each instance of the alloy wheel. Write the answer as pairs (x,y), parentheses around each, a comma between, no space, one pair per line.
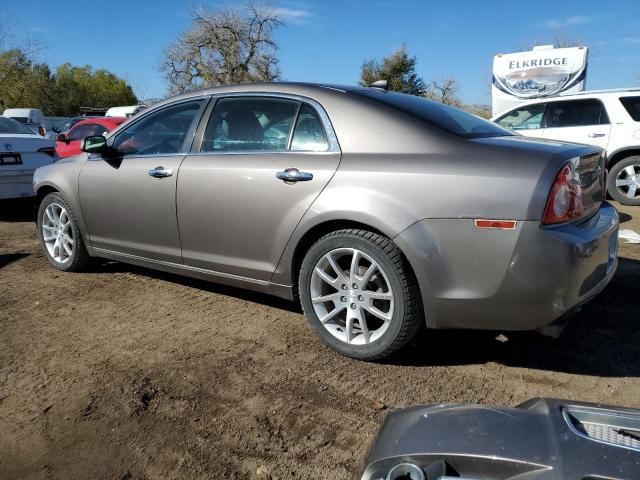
(57,233)
(628,181)
(352,296)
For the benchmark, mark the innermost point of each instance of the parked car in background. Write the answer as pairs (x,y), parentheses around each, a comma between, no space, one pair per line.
(540,439)
(21,152)
(127,111)
(73,120)
(32,118)
(382,212)
(69,143)
(54,126)
(609,119)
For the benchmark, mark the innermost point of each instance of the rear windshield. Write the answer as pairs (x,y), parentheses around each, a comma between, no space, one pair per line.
(444,117)
(632,104)
(21,119)
(9,125)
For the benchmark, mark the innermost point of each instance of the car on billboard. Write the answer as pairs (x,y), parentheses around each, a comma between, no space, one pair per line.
(608,119)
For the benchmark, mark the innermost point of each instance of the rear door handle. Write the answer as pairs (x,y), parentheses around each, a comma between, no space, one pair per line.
(597,135)
(160,172)
(293,175)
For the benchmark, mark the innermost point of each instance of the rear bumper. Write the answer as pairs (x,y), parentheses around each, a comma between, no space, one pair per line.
(16,183)
(509,280)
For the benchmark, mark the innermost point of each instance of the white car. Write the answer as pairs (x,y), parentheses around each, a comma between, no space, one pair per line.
(609,119)
(21,152)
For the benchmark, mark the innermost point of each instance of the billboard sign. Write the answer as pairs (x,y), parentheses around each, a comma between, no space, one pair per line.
(541,72)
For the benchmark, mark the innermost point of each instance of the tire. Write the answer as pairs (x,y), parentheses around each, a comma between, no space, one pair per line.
(61,237)
(621,173)
(382,282)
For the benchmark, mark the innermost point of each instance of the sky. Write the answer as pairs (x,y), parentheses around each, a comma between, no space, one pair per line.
(327,41)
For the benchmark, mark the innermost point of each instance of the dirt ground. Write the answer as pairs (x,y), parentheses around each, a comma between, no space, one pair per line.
(124,373)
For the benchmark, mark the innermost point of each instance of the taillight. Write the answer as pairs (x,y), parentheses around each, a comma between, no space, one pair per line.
(51,151)
(566,200)
(42,131)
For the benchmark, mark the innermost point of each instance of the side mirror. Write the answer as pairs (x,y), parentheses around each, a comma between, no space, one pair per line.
(62,137)
(93,144)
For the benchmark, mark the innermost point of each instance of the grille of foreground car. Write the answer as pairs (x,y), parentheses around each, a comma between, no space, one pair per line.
(621,429)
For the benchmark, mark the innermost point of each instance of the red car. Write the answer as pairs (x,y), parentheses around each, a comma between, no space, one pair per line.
(69,144)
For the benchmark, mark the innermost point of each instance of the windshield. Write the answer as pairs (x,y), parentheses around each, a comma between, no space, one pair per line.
(444,117)
(9,125)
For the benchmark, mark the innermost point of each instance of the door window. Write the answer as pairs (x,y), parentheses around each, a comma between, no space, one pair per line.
(576,113)
(86,130)
(524,118)
(165,131)
(632,105)
(250,124)
(309,134)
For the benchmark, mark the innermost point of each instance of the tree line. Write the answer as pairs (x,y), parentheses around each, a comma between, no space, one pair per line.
(24,82)
(236,45)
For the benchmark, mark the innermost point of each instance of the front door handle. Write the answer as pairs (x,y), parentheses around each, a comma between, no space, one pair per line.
(596,135)
(293,175)
(160,172)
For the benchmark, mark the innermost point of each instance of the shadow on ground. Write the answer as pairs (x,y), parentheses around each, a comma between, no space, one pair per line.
(18,210)
(603,339)
(7,258)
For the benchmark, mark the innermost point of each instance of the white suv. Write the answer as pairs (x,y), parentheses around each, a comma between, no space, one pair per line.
(609,119)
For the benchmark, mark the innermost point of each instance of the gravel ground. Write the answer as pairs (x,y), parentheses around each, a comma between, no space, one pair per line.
(125,373)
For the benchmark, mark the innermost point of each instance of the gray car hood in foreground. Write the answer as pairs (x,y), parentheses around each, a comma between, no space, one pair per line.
(541,439)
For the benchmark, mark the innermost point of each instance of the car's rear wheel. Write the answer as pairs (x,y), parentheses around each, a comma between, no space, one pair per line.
(59,234)
(359,294)
(624,181)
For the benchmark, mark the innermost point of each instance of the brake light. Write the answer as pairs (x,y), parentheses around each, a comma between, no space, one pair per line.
(566,201)
(42,131)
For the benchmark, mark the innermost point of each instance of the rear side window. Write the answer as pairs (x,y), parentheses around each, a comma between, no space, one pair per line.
(449,119)
(250,124)
(528,117)
(8,125)
(632,105)
(576,113)
(309,135)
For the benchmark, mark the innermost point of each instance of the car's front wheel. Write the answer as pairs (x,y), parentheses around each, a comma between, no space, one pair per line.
(359,294)
(624,181)
(59,234)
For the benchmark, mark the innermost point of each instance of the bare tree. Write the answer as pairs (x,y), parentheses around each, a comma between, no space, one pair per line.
(445,90)
(231,45)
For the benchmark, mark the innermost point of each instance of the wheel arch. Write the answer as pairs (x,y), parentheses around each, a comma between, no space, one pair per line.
(621,155)
(315,233)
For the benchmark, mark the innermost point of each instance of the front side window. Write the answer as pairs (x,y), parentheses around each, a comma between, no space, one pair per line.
(632,105)
(576,113)
(250,124)
(162,132)
(85,130)
(528,117)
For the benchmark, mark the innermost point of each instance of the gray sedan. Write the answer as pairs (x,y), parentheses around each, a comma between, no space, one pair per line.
(381,213)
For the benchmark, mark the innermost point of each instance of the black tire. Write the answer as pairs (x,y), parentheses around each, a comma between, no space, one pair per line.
(408,316)
(614,191)
(79,258)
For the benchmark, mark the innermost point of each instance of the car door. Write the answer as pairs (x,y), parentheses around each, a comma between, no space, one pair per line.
(128,199)
(525,119)
(261,162)
(581,121)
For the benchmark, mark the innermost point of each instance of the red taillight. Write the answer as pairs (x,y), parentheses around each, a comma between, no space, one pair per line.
(42,131)
(566,201)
